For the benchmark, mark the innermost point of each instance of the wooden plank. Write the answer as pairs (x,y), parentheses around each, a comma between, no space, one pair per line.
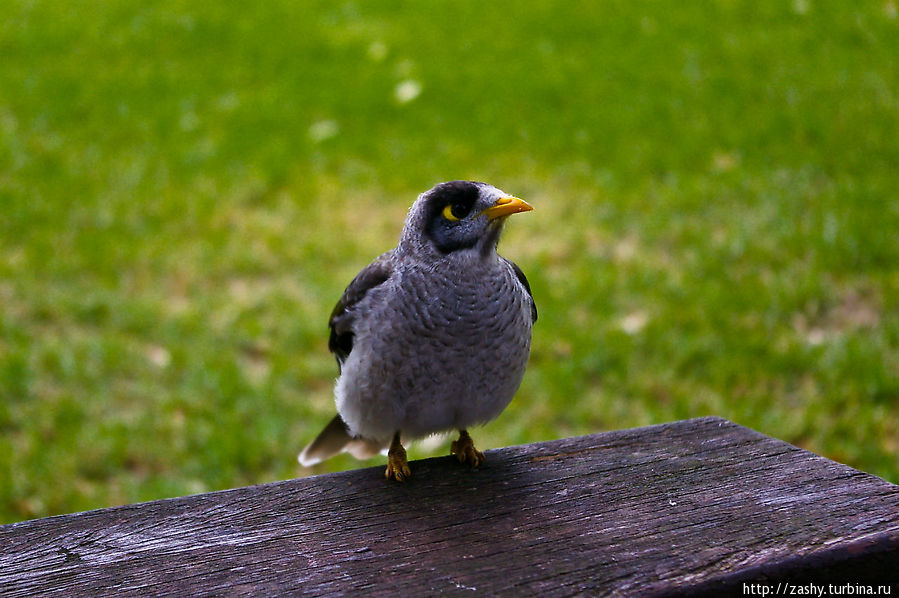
(700,505)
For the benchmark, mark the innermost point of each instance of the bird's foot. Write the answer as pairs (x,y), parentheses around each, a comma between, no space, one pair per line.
(397,465)
(465,451)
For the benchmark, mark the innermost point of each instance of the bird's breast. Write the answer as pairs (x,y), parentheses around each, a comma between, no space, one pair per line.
(439,351)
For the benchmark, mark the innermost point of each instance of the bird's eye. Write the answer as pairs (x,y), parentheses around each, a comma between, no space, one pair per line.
(455,212)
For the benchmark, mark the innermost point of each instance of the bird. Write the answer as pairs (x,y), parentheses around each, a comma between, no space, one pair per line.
(434,335)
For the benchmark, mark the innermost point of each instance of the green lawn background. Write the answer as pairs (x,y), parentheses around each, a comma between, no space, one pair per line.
(186,188)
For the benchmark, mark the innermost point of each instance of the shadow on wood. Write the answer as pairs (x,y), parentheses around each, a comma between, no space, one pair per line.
(697,506)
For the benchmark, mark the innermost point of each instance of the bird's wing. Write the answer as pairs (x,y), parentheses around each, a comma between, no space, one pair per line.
(336,437)
(524,282)
(340,341)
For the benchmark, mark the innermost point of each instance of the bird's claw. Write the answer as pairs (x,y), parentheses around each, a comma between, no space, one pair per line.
(466,452)
(398,470)
(397,465)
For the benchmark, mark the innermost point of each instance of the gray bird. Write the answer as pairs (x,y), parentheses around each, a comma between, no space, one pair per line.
(432,336)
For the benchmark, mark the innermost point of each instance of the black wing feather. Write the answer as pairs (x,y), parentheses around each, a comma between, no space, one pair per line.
(527,286)
(340,342)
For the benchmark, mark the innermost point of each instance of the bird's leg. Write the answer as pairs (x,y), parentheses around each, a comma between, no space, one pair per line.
(465,451)
(397,466)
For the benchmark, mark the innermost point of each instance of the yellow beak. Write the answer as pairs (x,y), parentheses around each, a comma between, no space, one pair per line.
(506,206)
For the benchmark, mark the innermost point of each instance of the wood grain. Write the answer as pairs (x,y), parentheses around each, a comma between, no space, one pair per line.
(698,506)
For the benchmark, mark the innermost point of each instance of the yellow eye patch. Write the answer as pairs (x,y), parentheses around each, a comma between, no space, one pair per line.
(448,214)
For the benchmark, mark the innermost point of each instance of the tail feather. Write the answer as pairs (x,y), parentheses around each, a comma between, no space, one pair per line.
(334,439)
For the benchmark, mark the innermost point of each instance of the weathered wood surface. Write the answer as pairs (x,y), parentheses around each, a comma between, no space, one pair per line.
(695,506)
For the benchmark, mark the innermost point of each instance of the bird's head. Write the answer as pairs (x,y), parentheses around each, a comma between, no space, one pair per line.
(458,216)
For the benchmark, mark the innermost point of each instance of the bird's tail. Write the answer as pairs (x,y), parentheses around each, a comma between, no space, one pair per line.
(334,439)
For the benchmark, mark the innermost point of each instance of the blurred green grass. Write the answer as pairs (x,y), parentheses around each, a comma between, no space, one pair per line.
(186,188)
